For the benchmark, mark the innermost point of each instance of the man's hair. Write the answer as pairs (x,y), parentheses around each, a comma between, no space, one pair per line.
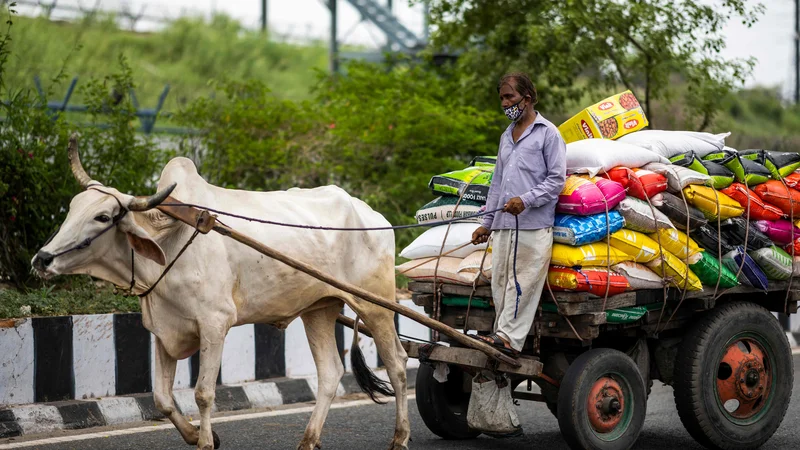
(521,83)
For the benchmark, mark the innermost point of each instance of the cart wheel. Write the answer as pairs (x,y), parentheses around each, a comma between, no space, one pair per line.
(443,406)
(601,401)
(734,377)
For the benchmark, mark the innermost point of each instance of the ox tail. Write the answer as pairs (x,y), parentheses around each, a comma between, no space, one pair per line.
(369,383)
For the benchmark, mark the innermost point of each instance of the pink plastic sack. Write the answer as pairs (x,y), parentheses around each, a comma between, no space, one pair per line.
(778,231)
(612,191)
(582,197)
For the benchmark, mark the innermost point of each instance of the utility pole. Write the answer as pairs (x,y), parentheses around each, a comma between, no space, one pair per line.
(797,51)
(334,47)
(263,16)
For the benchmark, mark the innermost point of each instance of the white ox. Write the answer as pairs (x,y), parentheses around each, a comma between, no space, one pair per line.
(219,283)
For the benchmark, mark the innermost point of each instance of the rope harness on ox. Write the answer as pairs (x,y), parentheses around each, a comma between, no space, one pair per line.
(114,222)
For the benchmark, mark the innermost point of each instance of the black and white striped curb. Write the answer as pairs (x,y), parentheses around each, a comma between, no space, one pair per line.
(81,357)
(79,414)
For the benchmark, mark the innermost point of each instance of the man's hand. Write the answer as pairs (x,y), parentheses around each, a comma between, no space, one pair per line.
(480,235)
(514,206)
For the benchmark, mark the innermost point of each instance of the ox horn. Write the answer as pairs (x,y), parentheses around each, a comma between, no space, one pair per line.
(145,203)
(75,163)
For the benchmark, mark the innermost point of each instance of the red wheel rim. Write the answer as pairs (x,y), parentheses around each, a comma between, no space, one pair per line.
(744,378)
(605,405)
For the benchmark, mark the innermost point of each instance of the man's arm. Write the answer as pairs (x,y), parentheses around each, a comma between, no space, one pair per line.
(555,159)
(494,189)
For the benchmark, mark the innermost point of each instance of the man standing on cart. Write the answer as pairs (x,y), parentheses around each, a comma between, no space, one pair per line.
(528,177)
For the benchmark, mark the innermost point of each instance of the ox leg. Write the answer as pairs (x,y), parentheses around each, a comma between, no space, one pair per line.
(381,322)
(211,343)
(162,394)
(320,326)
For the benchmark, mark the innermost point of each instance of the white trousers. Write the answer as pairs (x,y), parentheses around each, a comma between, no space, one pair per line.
(514,321)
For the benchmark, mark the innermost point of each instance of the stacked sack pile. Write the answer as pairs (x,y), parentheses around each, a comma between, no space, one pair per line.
(459,195)
(641,209)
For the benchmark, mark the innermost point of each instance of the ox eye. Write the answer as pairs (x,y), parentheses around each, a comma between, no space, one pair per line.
(103,218)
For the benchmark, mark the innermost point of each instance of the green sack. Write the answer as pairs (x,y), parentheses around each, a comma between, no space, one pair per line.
(689,160)
(730,160)
(708,269)
(783,162)
(721,177)
(472,182)
(776,263)
(779,164)
(480,161)
(628,314)
(631,314)
(477,302)
(754,173)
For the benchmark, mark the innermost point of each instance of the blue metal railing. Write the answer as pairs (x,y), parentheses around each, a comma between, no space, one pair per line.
(147,116)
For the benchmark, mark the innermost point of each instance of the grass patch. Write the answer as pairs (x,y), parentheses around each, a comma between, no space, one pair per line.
(186,54)
(80,295)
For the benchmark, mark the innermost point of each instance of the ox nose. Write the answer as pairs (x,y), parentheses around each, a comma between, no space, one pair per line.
(43,259)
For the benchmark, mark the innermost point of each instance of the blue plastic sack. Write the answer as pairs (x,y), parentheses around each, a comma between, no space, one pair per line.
(751,275)
(578,230)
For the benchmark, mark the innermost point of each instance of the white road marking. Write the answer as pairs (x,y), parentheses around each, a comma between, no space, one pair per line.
(796,351)
(150,428)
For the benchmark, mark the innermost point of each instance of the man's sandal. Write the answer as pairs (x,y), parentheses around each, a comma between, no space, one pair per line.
(497,343)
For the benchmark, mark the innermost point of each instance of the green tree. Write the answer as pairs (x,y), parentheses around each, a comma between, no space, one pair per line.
(379,132)
(662,50)
(36,184)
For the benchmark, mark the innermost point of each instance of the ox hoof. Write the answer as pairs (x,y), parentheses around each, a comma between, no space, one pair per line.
(215,436)
(216,439)
(396,446)
(306,445)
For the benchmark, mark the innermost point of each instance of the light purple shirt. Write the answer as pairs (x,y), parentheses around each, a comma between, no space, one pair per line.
(534,169)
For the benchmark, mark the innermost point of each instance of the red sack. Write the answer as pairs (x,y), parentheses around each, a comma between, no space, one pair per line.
(618,174)
(792,180)
(638,182)
(788,247)
(759,210)
(787,199)
(586,280)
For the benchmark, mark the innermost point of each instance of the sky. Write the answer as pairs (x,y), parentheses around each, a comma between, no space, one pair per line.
(770,40)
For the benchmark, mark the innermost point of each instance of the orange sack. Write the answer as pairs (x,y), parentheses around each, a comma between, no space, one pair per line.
(759,210)
(787,199)
(792,180)
(587,280)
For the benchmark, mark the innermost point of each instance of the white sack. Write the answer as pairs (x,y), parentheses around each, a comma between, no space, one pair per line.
(672,143)
(491,408)
(430,242)
(639,276)
(678,177)
(424,269)
(472,263)
(593,156)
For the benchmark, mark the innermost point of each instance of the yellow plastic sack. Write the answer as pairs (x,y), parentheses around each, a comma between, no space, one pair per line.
(675,270)
(587,255)
(674,241)
(640,247)
(704,199)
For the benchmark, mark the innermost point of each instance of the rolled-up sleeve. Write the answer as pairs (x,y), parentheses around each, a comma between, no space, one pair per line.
(554,153)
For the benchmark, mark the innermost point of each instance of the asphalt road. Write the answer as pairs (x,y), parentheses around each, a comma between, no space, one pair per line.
(368,427)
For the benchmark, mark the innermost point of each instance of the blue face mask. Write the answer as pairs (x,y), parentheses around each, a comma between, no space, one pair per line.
(514,112)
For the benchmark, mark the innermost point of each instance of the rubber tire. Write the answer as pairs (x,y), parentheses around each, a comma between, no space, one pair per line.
(703,342)
(553,407)
(443,406)
(574,391)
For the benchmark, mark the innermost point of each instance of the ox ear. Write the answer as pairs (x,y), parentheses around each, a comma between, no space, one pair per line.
(141,242)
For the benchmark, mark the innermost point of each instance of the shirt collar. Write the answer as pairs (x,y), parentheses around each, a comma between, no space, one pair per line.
(539,120)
